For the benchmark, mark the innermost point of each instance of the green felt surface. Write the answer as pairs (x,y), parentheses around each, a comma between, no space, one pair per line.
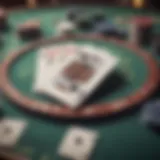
(123,137)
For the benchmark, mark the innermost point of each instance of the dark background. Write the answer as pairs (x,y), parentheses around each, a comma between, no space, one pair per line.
(152,4)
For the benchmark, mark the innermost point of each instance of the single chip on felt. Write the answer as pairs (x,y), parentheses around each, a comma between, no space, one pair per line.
(3,19)
(151,113)
(30,30)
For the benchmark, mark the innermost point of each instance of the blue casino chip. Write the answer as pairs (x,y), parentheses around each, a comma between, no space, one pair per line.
(150,114)
(106,28)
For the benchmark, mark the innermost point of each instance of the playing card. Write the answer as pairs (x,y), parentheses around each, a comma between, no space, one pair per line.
(46,60)
(79,75)
(10,131)
(78,143)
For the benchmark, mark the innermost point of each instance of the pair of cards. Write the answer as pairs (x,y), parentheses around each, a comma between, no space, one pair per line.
(78,143)
(10,131)
(71,73)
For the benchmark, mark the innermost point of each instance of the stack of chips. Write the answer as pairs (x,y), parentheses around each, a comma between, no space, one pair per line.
(94,23)
(29,30)
(141,30)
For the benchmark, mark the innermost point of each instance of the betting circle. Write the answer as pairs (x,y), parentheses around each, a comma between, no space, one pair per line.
(89,111)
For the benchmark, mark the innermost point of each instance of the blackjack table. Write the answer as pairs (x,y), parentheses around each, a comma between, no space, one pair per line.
(113,111)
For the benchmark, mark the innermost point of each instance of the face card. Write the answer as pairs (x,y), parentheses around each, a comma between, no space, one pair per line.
(79,76)
(10,131)
(78,143)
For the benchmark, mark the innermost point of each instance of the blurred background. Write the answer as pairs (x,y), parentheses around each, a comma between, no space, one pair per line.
(150,4)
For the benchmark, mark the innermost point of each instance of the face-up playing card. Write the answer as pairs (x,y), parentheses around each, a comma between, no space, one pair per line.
(10,131)
(45,59)
(79,75)
(48,60)
(78,144)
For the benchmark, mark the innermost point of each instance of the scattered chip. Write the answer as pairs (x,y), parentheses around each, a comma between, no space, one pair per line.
(140,32)
(30,30)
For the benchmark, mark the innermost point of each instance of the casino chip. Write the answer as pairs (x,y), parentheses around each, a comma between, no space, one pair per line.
(150,114)
(141,30)
(84,22)
(107,29)
(29,30)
